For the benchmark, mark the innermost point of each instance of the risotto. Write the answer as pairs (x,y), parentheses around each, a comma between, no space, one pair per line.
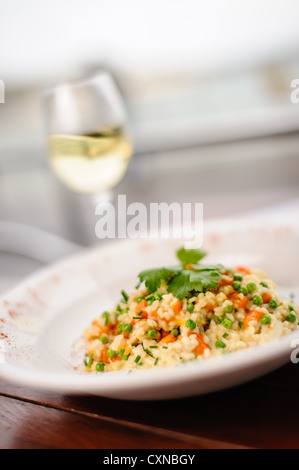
(187,312)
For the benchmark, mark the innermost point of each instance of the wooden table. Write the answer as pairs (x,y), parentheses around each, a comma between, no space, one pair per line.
(260,414)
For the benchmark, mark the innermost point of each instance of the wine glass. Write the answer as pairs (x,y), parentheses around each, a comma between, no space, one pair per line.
(88,138)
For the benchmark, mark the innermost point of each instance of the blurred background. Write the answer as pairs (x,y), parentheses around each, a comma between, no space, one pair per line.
(207,90)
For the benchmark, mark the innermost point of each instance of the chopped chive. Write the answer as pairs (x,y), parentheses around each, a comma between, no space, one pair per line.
(121,352)
(150,296)
(219,344)
(137,318)
(137,359)
(153,347)
(125,296)
(148,352)
(85,362)
(165,347)
(156,361)
(158,295)
(106,316)
(291,309)
(225,335)
(90,360)
(240,324)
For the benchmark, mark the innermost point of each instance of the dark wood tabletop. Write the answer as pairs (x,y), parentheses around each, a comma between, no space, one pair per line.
(261,414)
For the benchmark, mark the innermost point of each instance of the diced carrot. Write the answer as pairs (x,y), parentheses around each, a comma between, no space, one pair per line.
(104,356)
(201,346)
(225,282)
(177,307)
(164,333)
(209,307)
(266,298)
(243,269)
(236,298)
(141,306)
(253,315)
(168,339)
(143,315)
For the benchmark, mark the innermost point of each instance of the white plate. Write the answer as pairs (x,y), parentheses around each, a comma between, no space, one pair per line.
(42,318)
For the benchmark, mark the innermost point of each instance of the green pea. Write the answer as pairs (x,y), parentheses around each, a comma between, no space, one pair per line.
(238,277)
(190,324)
(152,333)
(251,286)
(228,309)
(265,319)
(236,285)
(291,317)
(264,284)
(127,328)
(220,318)
(111,353)
(244,290)
(190,307)
(257,300)
(104,339)
(227,323)
(273,303)
(100,366)
(120,326)
(291,309)
(175,332)
(139,299)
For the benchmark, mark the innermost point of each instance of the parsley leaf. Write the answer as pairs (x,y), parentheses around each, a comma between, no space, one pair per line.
(188,278)
(180,285)
(190,256)
(152,277)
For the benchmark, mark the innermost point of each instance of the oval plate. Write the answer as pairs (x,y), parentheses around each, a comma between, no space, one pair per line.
(42,318)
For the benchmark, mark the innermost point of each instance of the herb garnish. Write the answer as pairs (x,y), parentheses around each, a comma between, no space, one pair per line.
(187,278)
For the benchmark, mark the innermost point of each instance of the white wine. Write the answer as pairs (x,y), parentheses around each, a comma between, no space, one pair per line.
(92,162)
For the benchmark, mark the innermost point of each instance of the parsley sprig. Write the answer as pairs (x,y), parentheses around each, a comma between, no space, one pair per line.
(189,277)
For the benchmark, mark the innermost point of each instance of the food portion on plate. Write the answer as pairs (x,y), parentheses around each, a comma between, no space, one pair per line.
(190,311)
